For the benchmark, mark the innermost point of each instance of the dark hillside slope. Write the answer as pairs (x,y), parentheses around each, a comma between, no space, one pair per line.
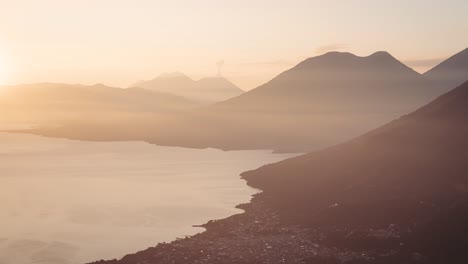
(412,172)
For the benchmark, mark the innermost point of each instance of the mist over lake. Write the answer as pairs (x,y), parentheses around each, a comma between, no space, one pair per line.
(65,201)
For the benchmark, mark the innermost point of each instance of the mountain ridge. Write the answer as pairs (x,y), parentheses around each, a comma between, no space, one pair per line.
(208,89)
(328,101)
(450,72)
(59,103)
(301,110)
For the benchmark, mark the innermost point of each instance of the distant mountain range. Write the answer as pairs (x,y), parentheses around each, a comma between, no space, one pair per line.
(339,81)
(59,104)
(322,101)
(410,173)
(208,90)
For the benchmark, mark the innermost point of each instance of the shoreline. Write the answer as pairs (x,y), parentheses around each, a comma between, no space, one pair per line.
(54,133)
(126,246)
(258,236)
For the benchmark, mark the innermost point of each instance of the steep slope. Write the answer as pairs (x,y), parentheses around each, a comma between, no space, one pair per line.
(206,90)
(451,72)
(411,173)
(322,101)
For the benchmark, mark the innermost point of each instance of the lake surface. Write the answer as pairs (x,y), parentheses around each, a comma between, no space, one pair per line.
(67,202)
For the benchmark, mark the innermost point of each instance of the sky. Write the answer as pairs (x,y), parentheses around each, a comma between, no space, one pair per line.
(118,42)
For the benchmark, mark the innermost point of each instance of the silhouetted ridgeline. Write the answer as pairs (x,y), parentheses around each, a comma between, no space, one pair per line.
(320,102)
(96,112)
(451,72)
(397,194)
(65,103)
(206,90)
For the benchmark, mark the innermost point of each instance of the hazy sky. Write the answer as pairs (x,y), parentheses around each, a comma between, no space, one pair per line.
(117,42)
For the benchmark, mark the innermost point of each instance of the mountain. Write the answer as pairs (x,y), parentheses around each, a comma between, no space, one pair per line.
(53,103)
(339,81)
(322,101)
(410,173)
(211,89)
(216,89)
(451,72)
(175,83)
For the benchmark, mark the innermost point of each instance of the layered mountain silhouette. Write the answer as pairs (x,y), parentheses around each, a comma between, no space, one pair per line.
(58,104)
(410,173)
(211,89)
(451,72)
(339,81)
(321,101)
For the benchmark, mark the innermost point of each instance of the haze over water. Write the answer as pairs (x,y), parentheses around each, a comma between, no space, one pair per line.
(65,201)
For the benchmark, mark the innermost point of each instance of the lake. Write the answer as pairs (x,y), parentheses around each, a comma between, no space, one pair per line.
(66,202)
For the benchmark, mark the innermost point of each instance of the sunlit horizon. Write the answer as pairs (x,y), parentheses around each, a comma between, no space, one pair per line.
(420,66)
(71,42)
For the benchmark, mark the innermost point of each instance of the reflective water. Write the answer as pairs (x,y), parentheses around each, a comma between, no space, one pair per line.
(64,201)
